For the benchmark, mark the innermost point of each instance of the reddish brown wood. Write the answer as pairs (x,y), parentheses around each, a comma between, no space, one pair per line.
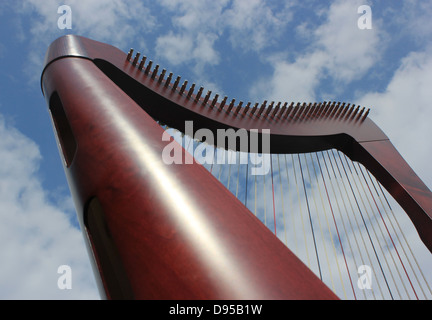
(110,101)
(174,230)
(387,165)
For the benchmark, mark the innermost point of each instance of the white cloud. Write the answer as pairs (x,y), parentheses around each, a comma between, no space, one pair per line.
(176,49)
(254,25)
(403,111)
(414,16)
(116,22)
(251,25)
(36,237)
(180,49)
(339,52)
(197,25)
(291,81)
(350,51)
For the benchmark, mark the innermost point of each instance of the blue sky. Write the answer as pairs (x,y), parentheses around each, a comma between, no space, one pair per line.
(249,50)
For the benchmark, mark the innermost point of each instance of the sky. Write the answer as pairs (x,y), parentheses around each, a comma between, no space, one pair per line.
(251,50)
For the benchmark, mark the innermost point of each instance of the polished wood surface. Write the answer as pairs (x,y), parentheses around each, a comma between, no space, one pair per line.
(190,237)
(177,232)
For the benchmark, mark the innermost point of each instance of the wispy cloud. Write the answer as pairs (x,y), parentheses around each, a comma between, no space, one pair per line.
(250,25)
(339,52)
(200,35)
(117,22)
(36,236)
(401,110)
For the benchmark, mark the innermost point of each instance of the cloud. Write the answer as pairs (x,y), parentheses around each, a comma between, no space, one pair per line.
(116,22)
(402,110)
(199,25)
(415,19)
(254,24)
(36,237)
(350,51)
(181,49)
(338,53)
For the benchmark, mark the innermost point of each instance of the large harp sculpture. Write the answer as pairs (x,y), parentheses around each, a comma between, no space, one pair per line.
(306,228)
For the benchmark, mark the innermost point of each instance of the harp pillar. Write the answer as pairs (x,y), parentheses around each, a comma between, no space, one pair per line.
(157,231)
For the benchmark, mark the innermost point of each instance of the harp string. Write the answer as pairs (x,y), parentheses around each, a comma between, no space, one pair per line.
(330,205)
(310,217)
(356,187)
(330,234)
(338,209)
(397,230)
(349,213)
(391,238)
(321,229)
(391,244)
(291,208)
(301,212)
(365,211)
(273,195)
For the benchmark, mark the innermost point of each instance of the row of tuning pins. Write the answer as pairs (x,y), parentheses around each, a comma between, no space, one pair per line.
(175,85)
(271,111)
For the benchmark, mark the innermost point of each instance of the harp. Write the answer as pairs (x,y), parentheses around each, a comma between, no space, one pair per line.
(173,231)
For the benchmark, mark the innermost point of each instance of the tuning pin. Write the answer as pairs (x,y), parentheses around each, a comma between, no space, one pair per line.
(214,101)
(129,56)
(222,104)
(143,60)
(333,110)
(355,112)
(289,109)
(327,108)
(191,89)
(135,61)
(176,82)
(308,109)
(231,105)
(295,110)
(282,110)
(246,109)
(262,108)
(147,70)
(276,109)
(300,112)
(255,107)
(312,110)
(269,108)
(168,80)
(162,75)
(198,95)
(207,97)
(304,110)
(350,110)
(155,71)
(183,87)
(366,114)
(360,114)
(344,111)
(238,108)
(341,108)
